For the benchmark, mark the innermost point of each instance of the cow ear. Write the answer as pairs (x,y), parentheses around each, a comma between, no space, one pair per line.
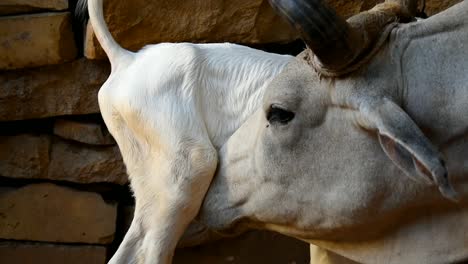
(406,145)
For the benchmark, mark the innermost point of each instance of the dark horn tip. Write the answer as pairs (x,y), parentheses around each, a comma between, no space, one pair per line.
(327,34)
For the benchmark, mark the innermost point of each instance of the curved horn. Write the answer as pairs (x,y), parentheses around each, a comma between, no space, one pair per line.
(329,36)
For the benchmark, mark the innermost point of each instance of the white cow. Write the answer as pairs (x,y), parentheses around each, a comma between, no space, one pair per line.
(359,140)
(170,107)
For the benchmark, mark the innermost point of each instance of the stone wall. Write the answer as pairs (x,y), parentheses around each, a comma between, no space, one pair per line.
(63,187)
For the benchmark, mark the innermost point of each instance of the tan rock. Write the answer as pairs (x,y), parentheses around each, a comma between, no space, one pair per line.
(50,213)
(347,9)
(36,40)
(8,7)
(35,253)
(24,156)
(435,6)
(28,156)
(86,164)
(432,6)
(140,22)
(85,132)
(65,89)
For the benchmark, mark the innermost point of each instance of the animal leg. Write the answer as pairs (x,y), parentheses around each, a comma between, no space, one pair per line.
(168,195)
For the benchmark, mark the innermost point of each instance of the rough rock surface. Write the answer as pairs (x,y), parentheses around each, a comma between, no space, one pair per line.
(65,89)
(141,22)
(27,156)
(86,132)
(36,40)
(432,6)
(24,156)
(135,24)
(86,164)
(435,6)
(8,7)
(50,213)
(39,253)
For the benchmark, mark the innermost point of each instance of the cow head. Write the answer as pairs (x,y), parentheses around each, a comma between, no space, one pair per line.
(331,152)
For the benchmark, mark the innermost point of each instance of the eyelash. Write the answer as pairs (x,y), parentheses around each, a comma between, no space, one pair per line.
(277,114)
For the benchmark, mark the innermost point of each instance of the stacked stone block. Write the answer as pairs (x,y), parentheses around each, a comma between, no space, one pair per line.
(62,179)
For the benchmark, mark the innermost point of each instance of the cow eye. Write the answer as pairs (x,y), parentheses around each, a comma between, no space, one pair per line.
(277,114)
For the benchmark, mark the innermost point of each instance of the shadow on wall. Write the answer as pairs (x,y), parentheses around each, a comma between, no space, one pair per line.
(251,248)
(256,247)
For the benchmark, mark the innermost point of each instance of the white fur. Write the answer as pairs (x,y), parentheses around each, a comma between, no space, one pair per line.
(170,108)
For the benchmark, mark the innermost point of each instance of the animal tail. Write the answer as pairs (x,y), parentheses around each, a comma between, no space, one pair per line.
(113,50)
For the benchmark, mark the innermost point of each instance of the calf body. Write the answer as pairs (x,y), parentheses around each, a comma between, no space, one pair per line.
(170,107)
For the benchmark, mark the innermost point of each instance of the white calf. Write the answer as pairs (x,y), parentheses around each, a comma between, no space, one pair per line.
(170,107)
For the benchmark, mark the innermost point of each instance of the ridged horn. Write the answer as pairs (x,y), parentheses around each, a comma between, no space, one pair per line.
(329,36)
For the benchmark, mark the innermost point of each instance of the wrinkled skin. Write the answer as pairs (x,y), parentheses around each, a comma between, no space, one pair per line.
(336,174)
